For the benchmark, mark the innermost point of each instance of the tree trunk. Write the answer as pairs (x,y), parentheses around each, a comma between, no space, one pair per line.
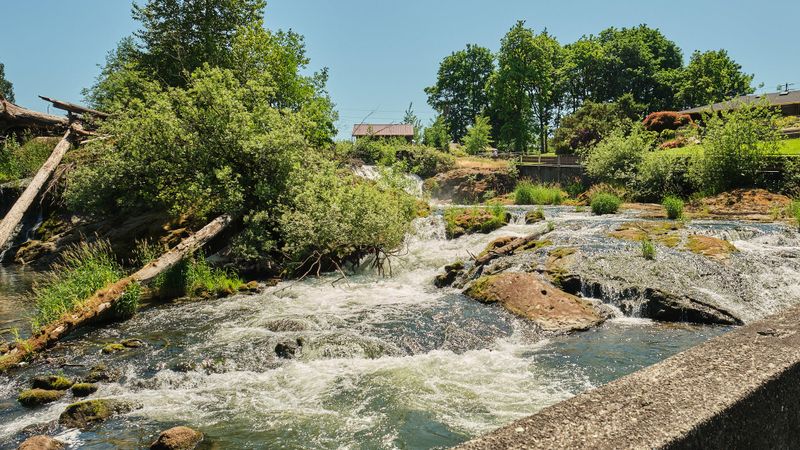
(75,109)
(13,117)
(97,307)
(509,248)
(14,216)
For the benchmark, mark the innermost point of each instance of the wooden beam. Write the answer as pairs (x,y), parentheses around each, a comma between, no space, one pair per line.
(74,108)
(16,117)
(102,302)
(15,214)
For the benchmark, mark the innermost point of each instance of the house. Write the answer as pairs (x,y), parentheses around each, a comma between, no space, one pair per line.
(384,131)
(787,101)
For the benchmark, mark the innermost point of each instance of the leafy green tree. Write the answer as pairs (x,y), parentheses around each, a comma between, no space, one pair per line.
(580,73)
(526,87)
(478,136)
(587,126)
(6,88)
(460,90)
(711,77)
(436,135)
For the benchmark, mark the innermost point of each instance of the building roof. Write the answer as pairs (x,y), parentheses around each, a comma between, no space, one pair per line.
(383,129)
(774,99)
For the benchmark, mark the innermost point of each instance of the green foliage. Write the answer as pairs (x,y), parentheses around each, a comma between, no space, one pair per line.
(82,270)
(648,249)
(616,159)
(412,119)
(587,126)
(335,217)
(436,135)
(673,206)
(6,88)
(605,203)
(478,136)
(794,211)
(426,161)
(735,144)
(662,173)
(21,161)
(459,93)
(527,193)
(711,77)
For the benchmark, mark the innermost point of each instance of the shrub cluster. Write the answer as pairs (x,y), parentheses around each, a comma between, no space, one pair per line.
(674,207)
(605,203)
(665,120)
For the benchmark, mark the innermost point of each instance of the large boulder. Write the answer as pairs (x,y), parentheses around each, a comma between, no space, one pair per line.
(88,412)
(471,185)
(41,442)
(177,438)
(526,295)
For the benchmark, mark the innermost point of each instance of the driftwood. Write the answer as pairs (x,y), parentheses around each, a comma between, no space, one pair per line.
(509,248)
(98,307)
(75,109)
(13,117)
(15,214)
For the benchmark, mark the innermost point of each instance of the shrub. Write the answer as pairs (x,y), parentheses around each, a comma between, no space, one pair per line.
(24,160)
(661,174)
(794,211)
(666,120)
(674,207)
(81,271)
(617,158)
(527,193)
(604,203)
(425,161)
(735,146)
(648,249)
(436,135)
(587,126)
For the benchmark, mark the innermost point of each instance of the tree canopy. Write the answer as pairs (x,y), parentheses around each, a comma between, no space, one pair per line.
(6,88)
(711,77)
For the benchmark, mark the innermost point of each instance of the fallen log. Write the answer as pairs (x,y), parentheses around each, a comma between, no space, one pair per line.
(509,248)
(97,307)
(15,214)
(13,117)
(75,109)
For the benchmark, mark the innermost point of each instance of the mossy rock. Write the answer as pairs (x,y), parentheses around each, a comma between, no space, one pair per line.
(665,233)
(52,383)
(710,247)
(459,222)
(423,209)
(132,343)
(83,389)
(177,438)
(101,373)
(534,216)
(113,348)
(85,413)
(36,397)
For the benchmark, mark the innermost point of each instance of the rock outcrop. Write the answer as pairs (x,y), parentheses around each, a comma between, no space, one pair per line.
(85,413)
(471,185)
(177,438)
(41,442)
(526,295)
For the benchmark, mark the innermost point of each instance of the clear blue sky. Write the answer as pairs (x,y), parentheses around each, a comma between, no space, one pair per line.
(381,54)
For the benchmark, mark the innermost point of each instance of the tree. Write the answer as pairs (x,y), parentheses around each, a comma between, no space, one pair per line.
(436,135)
(712,77)
(526,87)
(587,126)
(412,119)
(459,94)
(6,88)
(478,136)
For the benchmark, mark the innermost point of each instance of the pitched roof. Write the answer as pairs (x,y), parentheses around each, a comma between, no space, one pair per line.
(774,99)
(383,129)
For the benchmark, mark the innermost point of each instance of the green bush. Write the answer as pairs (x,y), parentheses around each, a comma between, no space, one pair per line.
(648,249)
(604,203)
(527,193)
(587,126)
(662,173)
(24,160)
(478,136)
(425,161)
(674,207)
(617,158)
(82,270)
(794,211)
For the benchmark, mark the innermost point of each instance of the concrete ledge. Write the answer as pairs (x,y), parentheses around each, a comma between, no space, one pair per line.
(738,390)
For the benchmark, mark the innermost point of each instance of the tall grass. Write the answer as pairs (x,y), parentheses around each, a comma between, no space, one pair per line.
(674,207)
(527,193)
(82,270)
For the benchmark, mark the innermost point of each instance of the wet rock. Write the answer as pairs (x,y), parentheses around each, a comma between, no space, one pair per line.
(51,382)
(101,373)
(534,216)
(132,343)
(665,233)
(289,349)
(177,438)
(41,442)
(471,185)
(461,221)
(710,247)
(525,295)
(85,413)
(36,397)
(113,348)
(286,325)
(252,287)
(83,389)
(451,273)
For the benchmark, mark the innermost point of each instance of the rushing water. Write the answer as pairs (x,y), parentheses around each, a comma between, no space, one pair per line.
(385,362)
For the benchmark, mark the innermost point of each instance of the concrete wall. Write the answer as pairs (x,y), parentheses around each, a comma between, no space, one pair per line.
(739,390)
(552,174)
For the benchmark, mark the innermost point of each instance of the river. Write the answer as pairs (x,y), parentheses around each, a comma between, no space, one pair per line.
(385,362)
